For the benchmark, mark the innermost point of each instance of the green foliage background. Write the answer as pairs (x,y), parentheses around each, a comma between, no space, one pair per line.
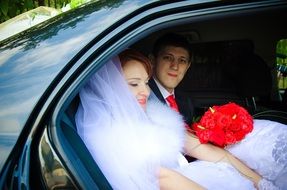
(281,60)
(12,8)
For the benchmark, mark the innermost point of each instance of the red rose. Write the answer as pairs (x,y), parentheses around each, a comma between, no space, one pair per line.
(204,136)
(235,127)
(240,135)
(247,127)
(230,137)
(208,121)
(223,120)
(217,137)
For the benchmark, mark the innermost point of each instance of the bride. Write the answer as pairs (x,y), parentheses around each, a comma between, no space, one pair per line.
(138,144)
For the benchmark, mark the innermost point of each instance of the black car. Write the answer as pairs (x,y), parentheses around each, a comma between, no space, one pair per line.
(43,68)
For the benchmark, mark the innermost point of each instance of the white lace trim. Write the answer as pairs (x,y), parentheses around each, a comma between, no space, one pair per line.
(266,185)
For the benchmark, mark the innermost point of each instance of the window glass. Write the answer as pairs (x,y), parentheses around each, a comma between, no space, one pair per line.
(281,61)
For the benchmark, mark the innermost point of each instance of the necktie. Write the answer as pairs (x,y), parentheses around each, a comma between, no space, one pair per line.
(172,103)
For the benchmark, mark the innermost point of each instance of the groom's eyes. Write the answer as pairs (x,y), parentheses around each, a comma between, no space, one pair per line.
(171,59)
(168,58)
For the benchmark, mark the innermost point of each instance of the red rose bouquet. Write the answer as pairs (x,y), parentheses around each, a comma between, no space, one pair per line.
(223,125)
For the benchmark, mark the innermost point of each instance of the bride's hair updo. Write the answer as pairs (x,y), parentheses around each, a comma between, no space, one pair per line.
(131,54)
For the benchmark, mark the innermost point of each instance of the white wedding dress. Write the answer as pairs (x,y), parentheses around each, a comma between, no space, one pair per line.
(264,150)
(129,145)
(128,159)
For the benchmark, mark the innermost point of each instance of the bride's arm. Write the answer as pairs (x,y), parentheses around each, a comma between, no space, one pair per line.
(209,152)
(172,180)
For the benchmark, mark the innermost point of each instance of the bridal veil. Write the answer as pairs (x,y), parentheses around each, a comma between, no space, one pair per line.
(126,142)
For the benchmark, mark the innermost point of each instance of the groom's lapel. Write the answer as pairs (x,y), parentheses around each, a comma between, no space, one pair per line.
(185,107)
(156,90)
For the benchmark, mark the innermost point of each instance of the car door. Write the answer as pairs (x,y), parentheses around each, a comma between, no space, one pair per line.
(71,165)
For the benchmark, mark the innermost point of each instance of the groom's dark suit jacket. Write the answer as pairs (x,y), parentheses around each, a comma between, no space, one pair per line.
(183,102)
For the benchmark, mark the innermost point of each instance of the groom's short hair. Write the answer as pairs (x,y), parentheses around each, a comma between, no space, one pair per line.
(171,39)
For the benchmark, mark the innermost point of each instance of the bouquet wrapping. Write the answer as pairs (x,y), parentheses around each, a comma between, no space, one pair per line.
(223,125)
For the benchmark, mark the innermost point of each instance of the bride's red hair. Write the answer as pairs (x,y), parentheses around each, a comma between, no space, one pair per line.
(131,54)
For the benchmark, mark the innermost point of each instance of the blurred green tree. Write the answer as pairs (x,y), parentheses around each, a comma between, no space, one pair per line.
(12,8)
(281,60)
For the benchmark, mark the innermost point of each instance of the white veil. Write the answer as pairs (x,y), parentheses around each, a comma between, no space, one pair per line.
(125,142)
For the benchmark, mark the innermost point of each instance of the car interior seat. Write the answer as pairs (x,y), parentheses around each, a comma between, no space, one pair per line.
(252,78)
(81,153)
(208,81)
(227,71)
(273,115)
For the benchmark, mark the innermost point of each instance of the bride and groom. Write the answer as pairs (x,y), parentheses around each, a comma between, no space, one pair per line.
(139,145)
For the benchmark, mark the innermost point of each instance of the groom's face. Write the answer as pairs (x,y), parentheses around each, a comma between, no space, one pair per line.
(171,64)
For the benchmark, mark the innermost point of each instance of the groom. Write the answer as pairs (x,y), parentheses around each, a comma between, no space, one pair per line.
(171,58)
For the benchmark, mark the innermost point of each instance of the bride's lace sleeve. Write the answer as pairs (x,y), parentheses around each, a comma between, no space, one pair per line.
(266,185)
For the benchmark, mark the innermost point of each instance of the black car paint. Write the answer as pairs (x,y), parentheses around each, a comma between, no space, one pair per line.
(32,60)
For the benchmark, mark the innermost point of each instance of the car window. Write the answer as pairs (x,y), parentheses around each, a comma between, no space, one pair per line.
(281,61)
(214,55)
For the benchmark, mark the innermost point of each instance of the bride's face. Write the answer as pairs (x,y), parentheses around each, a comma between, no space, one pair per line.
(137,79)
